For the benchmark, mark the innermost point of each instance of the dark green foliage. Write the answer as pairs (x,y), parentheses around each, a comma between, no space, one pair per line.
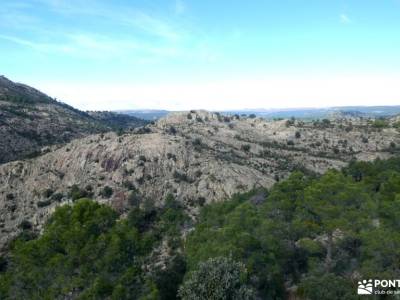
(290,122)
(44,203)
(217,278)
(172,217)
(380,123)
(180,176)
(298,134)
(47,193)
(106,192)
(10,196)
(169,279)
(143,130)
(129,185)
(336,150)
(25,225)
(3,265)
(82,250)
(120,131)
(171,156)
(246,147)
(134,198)
(172,130)
(326,122)
(76,192)
(57,196)
(327,287)
(197,144)
(313,233)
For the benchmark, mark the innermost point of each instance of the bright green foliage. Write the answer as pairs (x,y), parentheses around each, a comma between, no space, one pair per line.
(83,251)
(319,234)
(217,279)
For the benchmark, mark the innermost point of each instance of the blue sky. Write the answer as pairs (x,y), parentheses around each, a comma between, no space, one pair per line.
(183,54)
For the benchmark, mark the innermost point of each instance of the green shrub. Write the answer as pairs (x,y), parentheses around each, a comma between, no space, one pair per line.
(75,192)
(246,147)
(44,203)
(57,196)
(106,192)
(217,278)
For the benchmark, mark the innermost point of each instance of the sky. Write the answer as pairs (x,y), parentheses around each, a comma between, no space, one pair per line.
(208,54)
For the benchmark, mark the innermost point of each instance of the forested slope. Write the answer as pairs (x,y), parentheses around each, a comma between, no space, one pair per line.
(312,237)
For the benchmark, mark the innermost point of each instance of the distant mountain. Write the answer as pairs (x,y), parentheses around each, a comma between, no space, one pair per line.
(371,111)
(117,120)
(147,114)
(281,113)
(320,113)
(30,120)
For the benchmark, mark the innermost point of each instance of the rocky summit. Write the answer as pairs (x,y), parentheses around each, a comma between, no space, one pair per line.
(197,156)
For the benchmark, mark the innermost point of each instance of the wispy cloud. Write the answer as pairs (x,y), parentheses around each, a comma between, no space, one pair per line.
(127,32)
(126,16)
(180,7)
(96,47)
(344,19)
(149,24)
(42,47)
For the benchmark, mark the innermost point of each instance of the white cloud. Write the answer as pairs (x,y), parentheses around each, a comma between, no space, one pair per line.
(267,92)
(344,19)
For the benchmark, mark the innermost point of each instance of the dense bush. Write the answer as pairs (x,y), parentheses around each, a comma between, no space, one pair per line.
(246,147)
(106,192)
(76,192)
(217,278)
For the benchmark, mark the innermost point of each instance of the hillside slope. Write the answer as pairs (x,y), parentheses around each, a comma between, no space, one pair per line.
(30,120)
(198,157)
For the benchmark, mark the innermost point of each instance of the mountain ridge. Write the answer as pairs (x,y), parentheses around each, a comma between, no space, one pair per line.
(30,121)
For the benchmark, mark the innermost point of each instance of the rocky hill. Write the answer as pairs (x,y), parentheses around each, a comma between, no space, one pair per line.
(30,120)
(196,156)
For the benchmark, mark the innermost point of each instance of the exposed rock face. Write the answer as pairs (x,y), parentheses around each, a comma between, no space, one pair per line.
(197,157)
(30,120)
